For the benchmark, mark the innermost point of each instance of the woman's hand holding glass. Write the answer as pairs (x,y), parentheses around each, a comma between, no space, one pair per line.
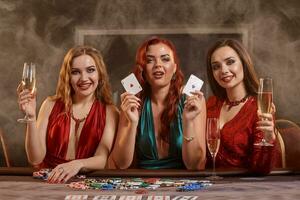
(266,124)
(130,105)
(192,106)
(26,93)
(265,110)
(27,103)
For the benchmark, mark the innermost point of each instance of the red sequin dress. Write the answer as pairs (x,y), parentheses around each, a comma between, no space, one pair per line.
(58,130)
(237,149)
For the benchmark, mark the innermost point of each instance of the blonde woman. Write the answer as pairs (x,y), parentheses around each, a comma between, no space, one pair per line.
(75,128)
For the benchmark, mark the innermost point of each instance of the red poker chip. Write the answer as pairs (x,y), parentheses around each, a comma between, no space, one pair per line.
(78,185)
(151,180)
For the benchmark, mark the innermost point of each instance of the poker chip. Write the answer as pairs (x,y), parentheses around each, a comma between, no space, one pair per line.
(95,185)
(138,185)
(133,183)
(107,187)
(190,187)
(153,187)
(165,183)
(151,180)
(42,174)
(143,185)
(78,185)
(81,176)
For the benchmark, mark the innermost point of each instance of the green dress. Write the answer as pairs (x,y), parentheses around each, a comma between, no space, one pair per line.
(146,144)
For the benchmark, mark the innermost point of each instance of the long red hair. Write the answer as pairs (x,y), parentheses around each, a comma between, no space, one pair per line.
(173,97)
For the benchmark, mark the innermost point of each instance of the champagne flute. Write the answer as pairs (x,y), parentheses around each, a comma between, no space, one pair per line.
(28,82)
(213,142)
(264,101)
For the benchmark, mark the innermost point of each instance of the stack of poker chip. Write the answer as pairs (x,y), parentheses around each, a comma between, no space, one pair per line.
(102,186)
(78,185)
(193,186)
(139,184)
(42,174)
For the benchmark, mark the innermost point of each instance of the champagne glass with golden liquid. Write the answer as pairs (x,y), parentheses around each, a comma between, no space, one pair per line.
(213,142)
(264,101)
(28,82)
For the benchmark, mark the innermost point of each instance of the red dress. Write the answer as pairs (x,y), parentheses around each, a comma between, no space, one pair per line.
(58,130)
(237,149)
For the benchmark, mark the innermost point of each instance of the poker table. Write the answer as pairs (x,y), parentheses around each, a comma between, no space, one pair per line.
(18,183)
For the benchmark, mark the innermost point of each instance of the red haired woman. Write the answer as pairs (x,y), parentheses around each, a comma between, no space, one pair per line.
(75,128)
(160,128)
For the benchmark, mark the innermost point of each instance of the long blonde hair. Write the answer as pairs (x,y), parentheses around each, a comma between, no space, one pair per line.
(64,90)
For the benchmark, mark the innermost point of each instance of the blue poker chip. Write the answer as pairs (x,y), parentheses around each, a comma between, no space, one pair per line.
(190,187)
(107,187)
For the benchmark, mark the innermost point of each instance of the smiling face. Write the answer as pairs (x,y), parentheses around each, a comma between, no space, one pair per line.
(160,65)
(84,76)
(227,68)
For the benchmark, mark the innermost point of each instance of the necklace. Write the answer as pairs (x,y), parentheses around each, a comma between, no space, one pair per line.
(235,103)
(77,123)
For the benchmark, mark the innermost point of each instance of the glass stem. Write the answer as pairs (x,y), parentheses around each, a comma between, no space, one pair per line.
(214,164)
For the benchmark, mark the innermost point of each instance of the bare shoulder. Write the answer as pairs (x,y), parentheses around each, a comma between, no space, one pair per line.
(112,110)
(112,115)
(47,105)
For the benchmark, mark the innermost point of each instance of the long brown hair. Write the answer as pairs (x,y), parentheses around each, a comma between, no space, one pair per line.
(250,77)
(173,97)
(64,90)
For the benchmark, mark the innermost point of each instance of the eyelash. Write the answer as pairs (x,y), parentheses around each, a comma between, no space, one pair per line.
(166,59)
(89,70)
(215,67)
(74,72)
(228,62)
(149,61)
(163,59)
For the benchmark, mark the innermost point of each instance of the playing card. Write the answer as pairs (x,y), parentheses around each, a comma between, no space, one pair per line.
(131,84)
(194,83)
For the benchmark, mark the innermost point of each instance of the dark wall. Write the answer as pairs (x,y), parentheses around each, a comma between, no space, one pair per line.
(42,30)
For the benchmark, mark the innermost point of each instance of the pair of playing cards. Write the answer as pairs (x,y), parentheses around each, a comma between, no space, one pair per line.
(131,84)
